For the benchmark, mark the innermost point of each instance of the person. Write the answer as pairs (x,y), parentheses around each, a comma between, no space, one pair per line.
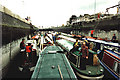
(29,52)
(22,47)
(114,38)
(86,41)
(28,38)
(97,45)
(91,45)
(76,46)
(22,44)
(92,33)
(84,56)
(54,38)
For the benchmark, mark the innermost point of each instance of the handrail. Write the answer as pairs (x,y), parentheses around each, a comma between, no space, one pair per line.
(60,72)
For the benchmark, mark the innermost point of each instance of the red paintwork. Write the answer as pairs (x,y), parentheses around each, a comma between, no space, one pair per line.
(79,36)
(112,55)
(108,60)
(33,37)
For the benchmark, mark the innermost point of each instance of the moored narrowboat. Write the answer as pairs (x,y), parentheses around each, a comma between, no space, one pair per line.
(110,59)
(93,71)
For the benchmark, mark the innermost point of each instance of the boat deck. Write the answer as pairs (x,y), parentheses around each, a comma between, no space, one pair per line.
(49,65)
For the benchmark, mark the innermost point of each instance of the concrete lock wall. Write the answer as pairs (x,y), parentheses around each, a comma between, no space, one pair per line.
(9,51)
(12,29)
(102,34)
(13,26)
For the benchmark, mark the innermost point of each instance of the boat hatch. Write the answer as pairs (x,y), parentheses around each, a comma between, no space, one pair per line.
(52,52)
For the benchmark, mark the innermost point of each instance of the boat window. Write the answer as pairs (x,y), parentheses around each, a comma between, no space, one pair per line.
(102,46)
(117,50)
(116,67)
(73,58)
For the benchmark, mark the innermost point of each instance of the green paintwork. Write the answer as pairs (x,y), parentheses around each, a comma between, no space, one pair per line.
(95,70)
(45,62)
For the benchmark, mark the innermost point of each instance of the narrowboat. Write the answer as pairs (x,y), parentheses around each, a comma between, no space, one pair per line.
(25,65)
(53,65)
(108,55)
(93,71)
(110,59)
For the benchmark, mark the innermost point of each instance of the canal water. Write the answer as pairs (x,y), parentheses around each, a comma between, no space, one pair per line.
(14,72)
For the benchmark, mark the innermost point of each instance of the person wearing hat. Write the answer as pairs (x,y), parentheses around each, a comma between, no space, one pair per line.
(92,31)
(84,56)
(86,42)
(76,46)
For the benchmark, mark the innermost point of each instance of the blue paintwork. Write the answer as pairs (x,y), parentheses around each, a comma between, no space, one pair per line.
(109,70)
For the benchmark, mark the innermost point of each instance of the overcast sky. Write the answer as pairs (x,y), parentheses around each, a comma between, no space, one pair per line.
(56,12)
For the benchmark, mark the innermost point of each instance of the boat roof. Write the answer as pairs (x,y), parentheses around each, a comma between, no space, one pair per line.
(104,42)
(50,36)
(68,38)
(49,39)
(33,42)
(113,54)
(68,45)
(47,65)
(91,39)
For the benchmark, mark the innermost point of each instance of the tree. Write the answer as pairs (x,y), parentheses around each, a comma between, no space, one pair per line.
(72,18)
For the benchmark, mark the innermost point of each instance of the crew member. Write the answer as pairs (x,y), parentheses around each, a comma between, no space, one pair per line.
(86,41)
(29,52)
(92,33)
(84,56)
(22,44)
(76,46)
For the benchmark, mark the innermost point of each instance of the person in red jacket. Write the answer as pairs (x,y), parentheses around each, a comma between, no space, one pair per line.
(92,33)
(29,51)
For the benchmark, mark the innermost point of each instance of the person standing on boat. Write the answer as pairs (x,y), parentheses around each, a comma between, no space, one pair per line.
(84,56)
(54,38)
(86,41)
(29,52)
(76,46)
(22,44)
(114,38)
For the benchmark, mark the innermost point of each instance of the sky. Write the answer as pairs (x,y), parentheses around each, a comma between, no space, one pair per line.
(49,13)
